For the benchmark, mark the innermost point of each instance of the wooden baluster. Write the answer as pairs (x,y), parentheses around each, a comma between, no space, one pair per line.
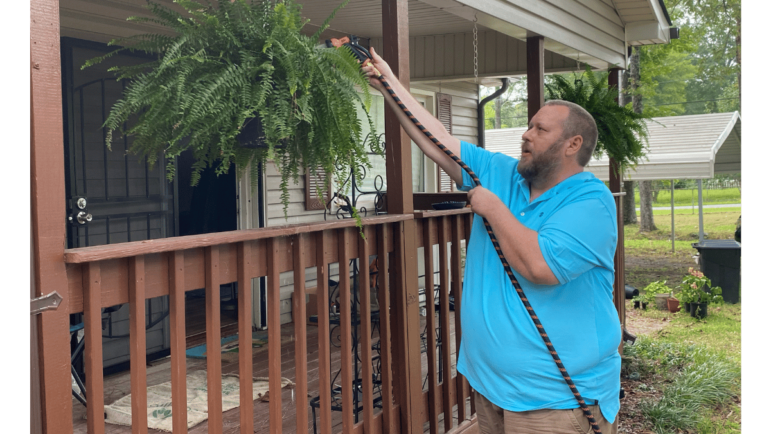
(301,341)
(448,390)
(138,345)
(468,221)
(213,339)
(177,319)
(366,332)
(322,299)
(457,290)
(92,312)
(384,300)
(274,336)
(246,399)
(433,383)
(346,344)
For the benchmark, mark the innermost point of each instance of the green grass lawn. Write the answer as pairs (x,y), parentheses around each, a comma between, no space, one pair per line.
(649,255)
(695,365)
(689,371)
(719,223)
(688,197)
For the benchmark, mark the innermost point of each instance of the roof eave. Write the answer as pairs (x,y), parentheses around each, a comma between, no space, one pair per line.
(650,32)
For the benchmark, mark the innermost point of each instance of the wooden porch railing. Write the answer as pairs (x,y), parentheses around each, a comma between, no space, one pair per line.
(130,273)
(447,229)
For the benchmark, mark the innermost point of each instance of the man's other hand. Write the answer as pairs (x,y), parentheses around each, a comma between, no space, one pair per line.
(484,202)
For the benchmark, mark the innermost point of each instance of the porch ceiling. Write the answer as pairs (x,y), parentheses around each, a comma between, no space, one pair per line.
(363,18)
(104,20)
(594,32)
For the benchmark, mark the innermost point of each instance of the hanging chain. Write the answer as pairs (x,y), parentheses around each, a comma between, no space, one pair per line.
(476,54)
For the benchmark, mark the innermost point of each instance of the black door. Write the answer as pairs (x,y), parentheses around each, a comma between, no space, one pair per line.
(112,196)
(125,199)
(115,197)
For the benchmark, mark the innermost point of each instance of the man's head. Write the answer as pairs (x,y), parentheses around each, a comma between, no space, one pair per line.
(561,135)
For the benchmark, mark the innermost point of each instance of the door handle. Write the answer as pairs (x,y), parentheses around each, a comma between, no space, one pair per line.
(84,217)
(80,215)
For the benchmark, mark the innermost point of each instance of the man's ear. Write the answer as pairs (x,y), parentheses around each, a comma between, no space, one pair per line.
(574,145)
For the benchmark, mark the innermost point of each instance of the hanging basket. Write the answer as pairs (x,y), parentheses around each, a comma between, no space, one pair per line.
(252,135)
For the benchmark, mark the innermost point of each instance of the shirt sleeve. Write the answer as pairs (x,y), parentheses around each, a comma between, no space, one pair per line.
(580,236)
(477,159)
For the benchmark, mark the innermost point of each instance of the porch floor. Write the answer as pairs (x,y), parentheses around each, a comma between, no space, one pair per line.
(118,385)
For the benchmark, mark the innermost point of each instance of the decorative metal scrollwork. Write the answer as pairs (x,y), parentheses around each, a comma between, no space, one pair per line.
(341,204)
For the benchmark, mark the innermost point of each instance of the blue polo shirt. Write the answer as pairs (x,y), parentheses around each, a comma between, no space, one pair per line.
(501,353)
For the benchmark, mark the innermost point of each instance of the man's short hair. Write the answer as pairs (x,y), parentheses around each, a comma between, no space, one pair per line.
(579,123)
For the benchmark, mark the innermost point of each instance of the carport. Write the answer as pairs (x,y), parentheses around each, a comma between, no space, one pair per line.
(679,147)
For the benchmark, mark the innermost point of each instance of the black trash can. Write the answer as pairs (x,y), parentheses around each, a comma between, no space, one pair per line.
(721,263)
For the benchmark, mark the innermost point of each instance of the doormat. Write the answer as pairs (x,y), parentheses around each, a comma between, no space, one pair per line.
(229,346)
(159,401)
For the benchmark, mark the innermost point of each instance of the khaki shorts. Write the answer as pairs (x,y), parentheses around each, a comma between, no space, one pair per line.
(495,420)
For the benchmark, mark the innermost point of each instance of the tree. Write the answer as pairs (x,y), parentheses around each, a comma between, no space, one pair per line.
(646,202)
(716,29)
(665,72)
(630,213)
(659,77)
(509,109)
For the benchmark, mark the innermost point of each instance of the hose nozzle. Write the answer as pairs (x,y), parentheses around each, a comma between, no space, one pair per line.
(361,53)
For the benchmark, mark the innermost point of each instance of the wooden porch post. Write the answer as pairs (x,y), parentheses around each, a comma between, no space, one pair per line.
(406,337)
(535,90)
(48,214)
(36,412)
(619,295)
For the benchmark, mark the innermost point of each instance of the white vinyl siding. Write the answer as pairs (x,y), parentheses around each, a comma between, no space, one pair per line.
(451,56)
(465,98)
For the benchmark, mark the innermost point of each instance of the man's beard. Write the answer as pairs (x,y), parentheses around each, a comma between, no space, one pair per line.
(541,166)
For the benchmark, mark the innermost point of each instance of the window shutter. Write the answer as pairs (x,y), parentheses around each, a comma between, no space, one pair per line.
(444,114)
(312,186)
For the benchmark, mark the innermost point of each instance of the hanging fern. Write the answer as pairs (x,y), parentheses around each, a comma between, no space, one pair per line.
(234,63)
(623,134)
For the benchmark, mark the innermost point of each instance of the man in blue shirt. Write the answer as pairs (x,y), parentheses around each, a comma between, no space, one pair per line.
(556,226)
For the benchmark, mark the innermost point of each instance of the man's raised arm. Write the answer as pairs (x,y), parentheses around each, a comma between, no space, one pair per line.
(423,116)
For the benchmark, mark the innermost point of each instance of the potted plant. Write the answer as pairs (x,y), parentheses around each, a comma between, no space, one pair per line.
(700,292)
(712,296)
(239,82)
(660,291)
(689,291)
(673,304)
(685,297)
(642,300)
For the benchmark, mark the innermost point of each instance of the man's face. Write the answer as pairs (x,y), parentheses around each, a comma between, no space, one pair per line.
(542,144)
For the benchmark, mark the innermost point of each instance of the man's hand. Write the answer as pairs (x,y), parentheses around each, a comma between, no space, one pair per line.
(418,112)
(378,63)
(518,243)
(484,202)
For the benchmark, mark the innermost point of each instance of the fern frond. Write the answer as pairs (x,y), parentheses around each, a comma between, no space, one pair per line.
(227,63)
